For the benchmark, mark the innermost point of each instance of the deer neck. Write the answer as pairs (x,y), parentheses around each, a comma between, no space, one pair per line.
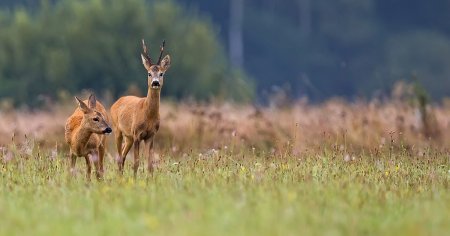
(152,103)
(82,136)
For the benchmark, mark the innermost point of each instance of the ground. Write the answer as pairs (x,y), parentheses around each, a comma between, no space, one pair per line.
(226,192)
(336,168)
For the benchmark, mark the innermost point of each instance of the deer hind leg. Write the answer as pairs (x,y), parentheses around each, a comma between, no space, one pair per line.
(150,157)
(136,157)
(88,167)
(123,155)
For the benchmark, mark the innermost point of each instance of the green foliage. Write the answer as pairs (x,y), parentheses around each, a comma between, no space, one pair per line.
(95,44)
(350,47)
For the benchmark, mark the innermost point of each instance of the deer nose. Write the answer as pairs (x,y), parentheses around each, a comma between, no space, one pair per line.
(107,130)
(155,83)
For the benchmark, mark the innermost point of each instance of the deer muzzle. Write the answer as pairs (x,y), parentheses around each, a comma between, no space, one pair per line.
(156,84)
(107,130)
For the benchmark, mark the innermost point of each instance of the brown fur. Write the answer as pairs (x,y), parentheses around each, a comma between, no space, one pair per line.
(137,119)
(84,136)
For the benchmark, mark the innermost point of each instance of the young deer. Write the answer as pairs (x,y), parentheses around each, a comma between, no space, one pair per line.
(84,132)
(137,119)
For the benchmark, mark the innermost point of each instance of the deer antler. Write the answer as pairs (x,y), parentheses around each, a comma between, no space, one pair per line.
(145,53)
(161,52)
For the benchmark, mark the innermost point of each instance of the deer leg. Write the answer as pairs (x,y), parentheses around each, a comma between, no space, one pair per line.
(88,167)
(119,139)
(73,161)
(97,159)
(150,157)
(101,156)
(126,149)
(136,157)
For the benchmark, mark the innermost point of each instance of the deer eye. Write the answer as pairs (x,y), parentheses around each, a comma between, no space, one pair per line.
(149,74)
(95,119)
(161,74)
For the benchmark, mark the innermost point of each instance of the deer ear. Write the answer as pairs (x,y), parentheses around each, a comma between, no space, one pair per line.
(165,63)
(82,106)
(145,62)
(92,101)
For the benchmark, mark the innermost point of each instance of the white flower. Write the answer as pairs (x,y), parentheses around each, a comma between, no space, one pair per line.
(347,158)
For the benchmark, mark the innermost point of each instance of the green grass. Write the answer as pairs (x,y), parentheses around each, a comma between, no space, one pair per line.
(231,194)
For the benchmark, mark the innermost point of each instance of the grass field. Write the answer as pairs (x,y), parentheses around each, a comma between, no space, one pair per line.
(226,193)
(330,169)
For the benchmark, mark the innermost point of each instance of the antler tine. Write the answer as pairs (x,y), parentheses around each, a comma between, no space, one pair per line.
(145,54)
(161,51)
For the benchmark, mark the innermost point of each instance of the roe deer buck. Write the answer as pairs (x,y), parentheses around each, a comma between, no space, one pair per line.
(84,132)
(137,119)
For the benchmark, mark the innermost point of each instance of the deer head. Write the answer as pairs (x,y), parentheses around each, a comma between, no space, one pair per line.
(155,71)
(92,119)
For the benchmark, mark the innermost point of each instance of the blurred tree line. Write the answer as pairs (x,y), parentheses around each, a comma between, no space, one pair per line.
(349,48)
(317,48)
(53,49)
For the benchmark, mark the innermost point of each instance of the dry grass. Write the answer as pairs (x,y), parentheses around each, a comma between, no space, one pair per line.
(346,127)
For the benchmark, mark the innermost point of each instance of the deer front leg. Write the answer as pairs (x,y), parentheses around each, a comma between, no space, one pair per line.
(136,157)
(123,155)
(73,161)
(88,167)
(119,140)
(150,157)
(97,158)
(101,156)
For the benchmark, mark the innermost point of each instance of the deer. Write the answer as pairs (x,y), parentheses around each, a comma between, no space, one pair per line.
(136,119)
(85,133)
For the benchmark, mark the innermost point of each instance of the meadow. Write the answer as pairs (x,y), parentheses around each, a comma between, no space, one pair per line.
(335,168)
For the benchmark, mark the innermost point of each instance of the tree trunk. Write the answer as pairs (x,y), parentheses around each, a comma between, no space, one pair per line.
(236,44)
